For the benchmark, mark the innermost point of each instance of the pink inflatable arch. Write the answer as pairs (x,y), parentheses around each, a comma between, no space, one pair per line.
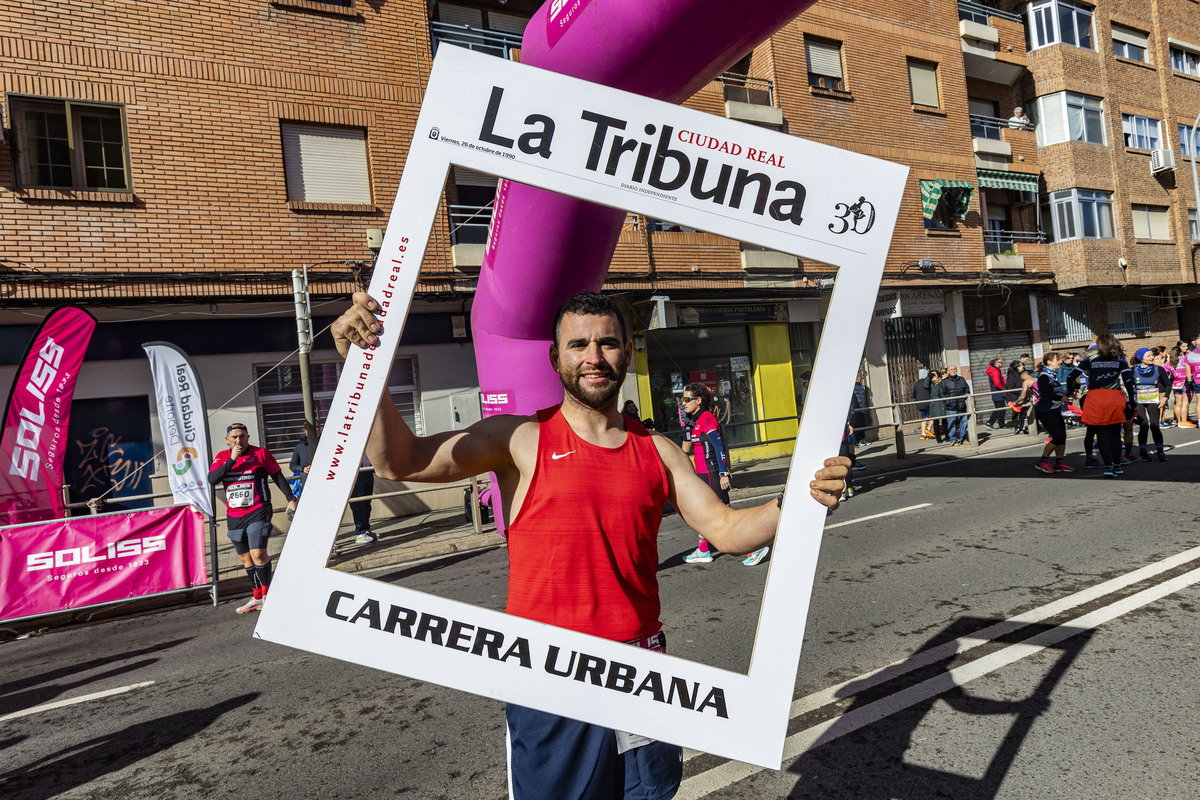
(543,247)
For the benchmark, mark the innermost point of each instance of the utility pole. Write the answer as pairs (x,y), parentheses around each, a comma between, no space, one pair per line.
(304,333)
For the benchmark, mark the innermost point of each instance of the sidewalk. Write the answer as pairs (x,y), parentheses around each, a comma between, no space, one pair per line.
(445,532)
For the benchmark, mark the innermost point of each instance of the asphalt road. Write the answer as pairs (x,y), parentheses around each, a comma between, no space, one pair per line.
(977,630)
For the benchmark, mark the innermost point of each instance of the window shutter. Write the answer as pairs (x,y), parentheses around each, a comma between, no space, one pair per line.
(325,164)
(1159,228)
(824,58)
(1130,36)
(922,79)
(1141,224)
(460,15)
(470,177)
(506,23)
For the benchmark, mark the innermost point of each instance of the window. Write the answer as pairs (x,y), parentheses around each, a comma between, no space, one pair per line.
(62,144)
(1142,133)
(1128,318)
(325,164)
(1195,229)
(1079,214)
(1055,21)
(1185,61)
(945,202)
(1150,222)
(1069,117)
(923,84)
(824,64)
(1185,140)
(1129,43)
(1067,319)
(281,403)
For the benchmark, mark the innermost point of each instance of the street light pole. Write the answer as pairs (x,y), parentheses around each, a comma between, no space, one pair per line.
(304,334)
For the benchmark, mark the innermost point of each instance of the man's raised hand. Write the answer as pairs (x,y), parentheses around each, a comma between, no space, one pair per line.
(357,326)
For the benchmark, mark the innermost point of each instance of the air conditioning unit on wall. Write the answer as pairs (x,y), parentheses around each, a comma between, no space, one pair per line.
(1162,160)
(1172,297)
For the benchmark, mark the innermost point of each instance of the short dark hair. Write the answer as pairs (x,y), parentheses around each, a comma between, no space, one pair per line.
(588,304)
(235,426)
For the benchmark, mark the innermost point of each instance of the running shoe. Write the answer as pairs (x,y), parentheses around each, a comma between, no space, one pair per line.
(1108,472)
(698,556)
(1162,456)
(253,604)
(1092,463)
(1125,459)
(1118,471)
(1044,465)
(1187,424)
(1144,456)
(366,537)
(1062,466)
(758,555)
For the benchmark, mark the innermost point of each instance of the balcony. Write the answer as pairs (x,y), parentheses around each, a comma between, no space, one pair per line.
(468,236)
(494,43)
(751,100)
(1000,144)
(993,43)
(1000,248)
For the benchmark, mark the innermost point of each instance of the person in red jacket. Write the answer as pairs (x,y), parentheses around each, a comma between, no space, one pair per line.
(996,383)
(584,488)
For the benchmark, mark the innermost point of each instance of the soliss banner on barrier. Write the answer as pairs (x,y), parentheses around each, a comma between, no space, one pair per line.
(34,442)
(183,418)
(71,563)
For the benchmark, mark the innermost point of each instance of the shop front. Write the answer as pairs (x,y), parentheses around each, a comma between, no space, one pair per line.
(742,353)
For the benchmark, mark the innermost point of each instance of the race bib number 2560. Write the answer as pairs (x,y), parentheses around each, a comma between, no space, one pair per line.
(239,495)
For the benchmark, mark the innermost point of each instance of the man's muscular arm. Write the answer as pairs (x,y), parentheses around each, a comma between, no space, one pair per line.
(395,451)
(738,530)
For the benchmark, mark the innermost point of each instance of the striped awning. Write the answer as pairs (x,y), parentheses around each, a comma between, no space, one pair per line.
(943,190)
(1000,179)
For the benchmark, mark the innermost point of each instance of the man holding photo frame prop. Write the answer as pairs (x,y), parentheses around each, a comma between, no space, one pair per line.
(624,151)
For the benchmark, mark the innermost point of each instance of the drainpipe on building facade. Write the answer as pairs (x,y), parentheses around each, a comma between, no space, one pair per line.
(1195,194)
(304,334)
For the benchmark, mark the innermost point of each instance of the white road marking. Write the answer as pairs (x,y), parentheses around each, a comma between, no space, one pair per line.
(74,700)
(728,773)
(877,516)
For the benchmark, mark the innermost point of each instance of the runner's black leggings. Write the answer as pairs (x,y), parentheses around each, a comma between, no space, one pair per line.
(1108,439)
(1147,420)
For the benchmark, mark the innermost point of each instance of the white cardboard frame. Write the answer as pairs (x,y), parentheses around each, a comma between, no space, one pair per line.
(490,653)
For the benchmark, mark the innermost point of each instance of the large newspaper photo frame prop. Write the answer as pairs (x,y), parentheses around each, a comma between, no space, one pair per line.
(540,128)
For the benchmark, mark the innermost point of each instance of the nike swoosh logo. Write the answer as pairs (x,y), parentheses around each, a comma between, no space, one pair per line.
(557,456)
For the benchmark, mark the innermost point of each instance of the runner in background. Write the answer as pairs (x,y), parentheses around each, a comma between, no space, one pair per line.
(1150,382)
(1109,393)
(1181,384)
(243,469)
(703,441)
(1048,396)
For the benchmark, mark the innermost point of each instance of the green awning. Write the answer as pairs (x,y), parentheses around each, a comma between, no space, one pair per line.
(1001,179)
(956,192)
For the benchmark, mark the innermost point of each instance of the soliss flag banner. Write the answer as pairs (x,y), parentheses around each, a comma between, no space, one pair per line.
(183,419)
(34,443)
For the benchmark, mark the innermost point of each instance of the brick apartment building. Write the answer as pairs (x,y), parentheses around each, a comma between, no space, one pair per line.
(168,165)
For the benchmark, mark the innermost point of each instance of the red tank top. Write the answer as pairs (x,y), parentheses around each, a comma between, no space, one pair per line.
(583,550)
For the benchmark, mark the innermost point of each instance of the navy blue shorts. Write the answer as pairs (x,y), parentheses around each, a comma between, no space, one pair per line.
(252,537)
(552,756)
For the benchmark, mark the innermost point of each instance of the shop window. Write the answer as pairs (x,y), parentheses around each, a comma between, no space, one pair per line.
(717,356)
(803,338)
(63,144)
(281,403)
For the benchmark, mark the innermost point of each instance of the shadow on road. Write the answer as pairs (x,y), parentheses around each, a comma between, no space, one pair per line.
(37,689)
(866,754)
(83,763)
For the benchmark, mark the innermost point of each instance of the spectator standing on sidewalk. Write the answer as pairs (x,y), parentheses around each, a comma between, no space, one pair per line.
(937,408)
(996,384)
(243,470)
(920,393)
(954,389)
(1014,388)
(1049,394)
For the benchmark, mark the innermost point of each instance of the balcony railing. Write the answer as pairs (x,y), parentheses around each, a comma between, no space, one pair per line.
(977,12)
(744,89)
(469,224)
(989,127)
(996,243)
(496,43)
